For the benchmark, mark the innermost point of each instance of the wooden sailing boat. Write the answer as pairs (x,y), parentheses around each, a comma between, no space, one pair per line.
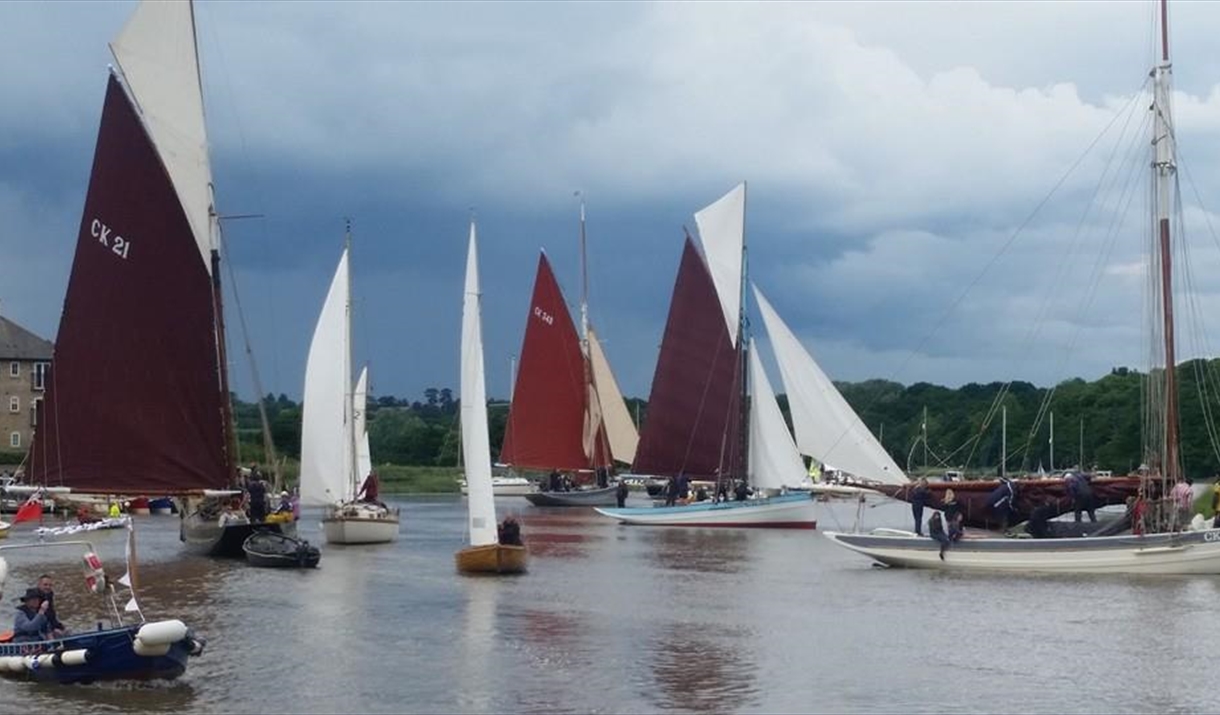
(700,422)
(485,554)
(567,413)
(332,426)
(1159,548)
(138,401)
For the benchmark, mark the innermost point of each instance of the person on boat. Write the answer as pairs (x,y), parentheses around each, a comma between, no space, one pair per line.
(620,494)
(936,530)
(285,506)
(257,491)
(920,496)
(683,486)
(1138,506)
(671,492)
(46,590)
(1081,492)
(1001,502)
(603,477)
(509,532)
(954,516)
(31,622)
(114,511)
(1216,503)
(553,481)
(1039,525)
(742,491)
(1183,494)
(722,491)
(370,490)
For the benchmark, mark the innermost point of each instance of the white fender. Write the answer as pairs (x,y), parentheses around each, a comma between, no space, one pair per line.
(161,632)
(46,660)
(149,651)
(12,663)
(74,657)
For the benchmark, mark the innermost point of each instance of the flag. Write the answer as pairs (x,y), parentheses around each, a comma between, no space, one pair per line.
(31,510)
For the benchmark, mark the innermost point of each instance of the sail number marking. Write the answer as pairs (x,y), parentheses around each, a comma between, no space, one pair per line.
(108,238)
(544,316)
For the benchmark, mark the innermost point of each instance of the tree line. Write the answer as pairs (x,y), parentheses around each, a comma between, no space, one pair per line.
(1097,423)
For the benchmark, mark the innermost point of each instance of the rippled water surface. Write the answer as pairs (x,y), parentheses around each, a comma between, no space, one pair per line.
(631,619)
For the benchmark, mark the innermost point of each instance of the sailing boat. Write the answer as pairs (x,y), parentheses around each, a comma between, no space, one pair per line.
(332,426)
(138,400)
(567,412)
(485,554)
(698,406)
(1163,550)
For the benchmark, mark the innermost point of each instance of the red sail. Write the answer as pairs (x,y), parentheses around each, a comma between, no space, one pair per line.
(546,421)
(694,410)
(134,402)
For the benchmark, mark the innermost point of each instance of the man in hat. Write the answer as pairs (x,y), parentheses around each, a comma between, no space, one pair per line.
(31,622)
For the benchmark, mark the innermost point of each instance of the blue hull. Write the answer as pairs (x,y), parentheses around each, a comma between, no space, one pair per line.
(111,656)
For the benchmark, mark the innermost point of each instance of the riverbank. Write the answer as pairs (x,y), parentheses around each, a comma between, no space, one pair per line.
(403,479)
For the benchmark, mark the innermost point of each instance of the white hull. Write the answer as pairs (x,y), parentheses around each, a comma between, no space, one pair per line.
(794,511)
(361,524)
(1196,552)
(507,486)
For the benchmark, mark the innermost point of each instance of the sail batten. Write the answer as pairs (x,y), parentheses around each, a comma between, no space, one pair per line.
(695,403)
(547,419)
(826,427)
(476,445)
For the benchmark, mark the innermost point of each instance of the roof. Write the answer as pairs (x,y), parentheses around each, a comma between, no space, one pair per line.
(17,343)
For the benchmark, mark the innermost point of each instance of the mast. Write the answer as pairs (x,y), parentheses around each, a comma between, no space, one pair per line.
(1004,442)
(1052,441)
(743,428)
(924,427)
(347,364)
(1164,170)
(584,334)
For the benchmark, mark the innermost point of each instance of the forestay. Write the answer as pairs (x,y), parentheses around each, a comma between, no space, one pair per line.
(827,428)
(476,445)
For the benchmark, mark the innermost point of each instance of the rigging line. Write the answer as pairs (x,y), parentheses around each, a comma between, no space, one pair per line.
(1184,167)
(1011,239)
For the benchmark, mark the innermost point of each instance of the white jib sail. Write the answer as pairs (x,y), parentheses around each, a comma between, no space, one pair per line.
(476,445)
(620,430)
(774,461)
(158,60)
(360,399)
(827,428)
(722,230)
(326,462)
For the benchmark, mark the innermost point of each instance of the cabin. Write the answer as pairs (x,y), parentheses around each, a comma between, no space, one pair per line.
(25,360)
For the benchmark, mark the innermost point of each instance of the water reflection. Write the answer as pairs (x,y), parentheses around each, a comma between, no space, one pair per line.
(477,671)
(695,672)
(701,550)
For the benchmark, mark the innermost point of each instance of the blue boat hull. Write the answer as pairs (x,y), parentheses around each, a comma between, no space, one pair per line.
(111,656)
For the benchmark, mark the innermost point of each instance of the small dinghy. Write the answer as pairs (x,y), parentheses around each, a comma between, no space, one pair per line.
(274,550)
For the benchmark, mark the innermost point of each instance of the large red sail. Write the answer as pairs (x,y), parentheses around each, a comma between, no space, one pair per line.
(694,410)
(134,403)
(547,419)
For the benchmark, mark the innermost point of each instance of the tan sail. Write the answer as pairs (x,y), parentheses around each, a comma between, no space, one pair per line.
(620,430)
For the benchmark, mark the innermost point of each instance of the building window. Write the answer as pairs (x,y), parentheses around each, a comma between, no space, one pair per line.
(34,405)
(14,369)
(40,375)
(14,439)
(14,404)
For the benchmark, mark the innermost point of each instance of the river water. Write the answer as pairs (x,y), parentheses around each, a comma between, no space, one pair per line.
(617,618)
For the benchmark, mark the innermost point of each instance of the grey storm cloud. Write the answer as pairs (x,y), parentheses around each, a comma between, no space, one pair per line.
(892,150)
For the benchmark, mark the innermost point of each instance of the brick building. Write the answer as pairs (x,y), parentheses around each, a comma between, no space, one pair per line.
(24,361)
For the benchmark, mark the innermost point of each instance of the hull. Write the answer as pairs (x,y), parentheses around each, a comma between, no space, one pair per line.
(268,550)
(791,511)
(1194,552)
(208,537)
(507,486)
(1031,493)
(492,558)
(361,523)
(579,497)
(98,656)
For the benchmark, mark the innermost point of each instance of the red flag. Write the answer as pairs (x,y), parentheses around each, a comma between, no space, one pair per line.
(31,510)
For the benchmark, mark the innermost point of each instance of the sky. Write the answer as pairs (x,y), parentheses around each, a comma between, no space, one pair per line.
(892,152)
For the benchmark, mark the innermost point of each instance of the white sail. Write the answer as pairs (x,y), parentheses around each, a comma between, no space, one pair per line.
(827,428)
(722,230)
(159,62)
(476,445)
(326,459)
(620,430)
(774,461)
(360,399)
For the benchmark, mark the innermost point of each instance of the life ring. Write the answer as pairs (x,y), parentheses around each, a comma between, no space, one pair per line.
(95,575)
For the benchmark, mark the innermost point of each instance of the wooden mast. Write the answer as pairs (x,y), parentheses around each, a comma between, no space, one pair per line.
(1165,168)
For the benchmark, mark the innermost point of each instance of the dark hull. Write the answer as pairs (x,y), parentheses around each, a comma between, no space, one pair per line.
(580,497)
(1031,493)
(111,656)
(210,539)
(269,550)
